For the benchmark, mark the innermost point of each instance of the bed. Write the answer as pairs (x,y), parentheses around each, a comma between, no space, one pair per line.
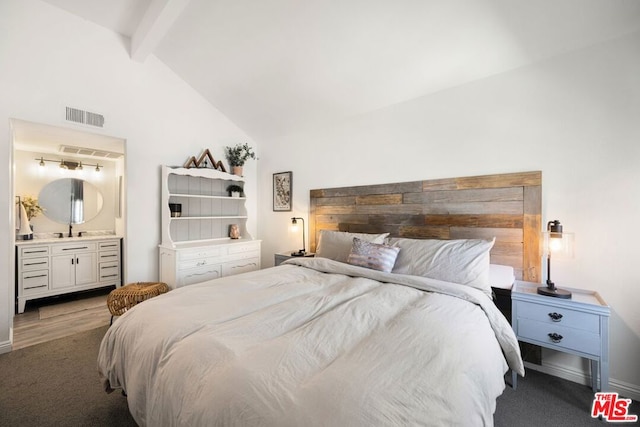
(340,341)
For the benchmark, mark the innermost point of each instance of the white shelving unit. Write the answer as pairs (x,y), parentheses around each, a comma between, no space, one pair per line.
(195,245)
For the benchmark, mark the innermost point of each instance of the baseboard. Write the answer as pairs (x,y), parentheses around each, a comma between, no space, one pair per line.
(5,347)
(624,389)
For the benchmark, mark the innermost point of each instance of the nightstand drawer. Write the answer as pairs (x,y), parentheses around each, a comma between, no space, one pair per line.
(565,338)
(557,316)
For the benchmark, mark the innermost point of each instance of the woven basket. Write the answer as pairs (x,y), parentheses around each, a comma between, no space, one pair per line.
(122,299)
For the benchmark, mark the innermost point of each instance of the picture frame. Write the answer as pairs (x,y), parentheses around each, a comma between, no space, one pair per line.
(282,191)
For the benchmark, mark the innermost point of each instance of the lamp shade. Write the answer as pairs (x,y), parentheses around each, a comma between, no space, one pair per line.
(559,245)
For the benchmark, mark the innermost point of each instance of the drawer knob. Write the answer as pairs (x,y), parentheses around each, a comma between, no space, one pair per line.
(555,317)
(556,338)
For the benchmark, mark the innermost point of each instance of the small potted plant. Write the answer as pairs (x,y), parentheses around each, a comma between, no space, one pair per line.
(31,206)
(234,190)
(237,156)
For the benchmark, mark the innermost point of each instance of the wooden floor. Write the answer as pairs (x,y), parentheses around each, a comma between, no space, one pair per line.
(29,328)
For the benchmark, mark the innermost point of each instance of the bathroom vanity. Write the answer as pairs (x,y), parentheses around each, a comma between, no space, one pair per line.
(48,267)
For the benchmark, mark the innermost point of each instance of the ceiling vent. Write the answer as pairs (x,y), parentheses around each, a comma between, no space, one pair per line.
(82,117)
(90,152)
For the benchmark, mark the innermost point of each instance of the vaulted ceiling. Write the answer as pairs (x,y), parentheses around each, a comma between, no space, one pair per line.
(281,66)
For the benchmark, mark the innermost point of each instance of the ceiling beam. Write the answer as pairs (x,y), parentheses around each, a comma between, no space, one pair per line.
(156,22)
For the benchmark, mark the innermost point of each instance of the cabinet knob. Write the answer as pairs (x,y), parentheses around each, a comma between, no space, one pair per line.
(555,317)
(555,337)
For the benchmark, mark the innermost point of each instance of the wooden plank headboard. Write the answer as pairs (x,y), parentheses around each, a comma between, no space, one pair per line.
(507,206)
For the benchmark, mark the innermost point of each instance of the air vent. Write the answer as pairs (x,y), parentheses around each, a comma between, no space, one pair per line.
(90,152)
(76,115)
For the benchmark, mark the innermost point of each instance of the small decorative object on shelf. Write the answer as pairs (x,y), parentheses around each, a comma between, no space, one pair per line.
(234,231)
(238,155)
(205,160)
(176,209)
(234,190)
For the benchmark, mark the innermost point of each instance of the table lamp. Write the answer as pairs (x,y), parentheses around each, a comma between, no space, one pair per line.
(560,244)
(294,228)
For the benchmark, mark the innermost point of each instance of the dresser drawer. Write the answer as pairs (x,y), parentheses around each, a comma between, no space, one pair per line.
(108,256)
(74,248)
(195,255)
(110,245)
(197,275)
(563,316)
(30,251)
(242,266)
(30,264)
(196,263)
(571,338)
(244,247)
(35,282)
(109,271)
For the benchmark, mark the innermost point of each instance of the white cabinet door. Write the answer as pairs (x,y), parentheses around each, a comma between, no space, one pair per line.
(73,269)
(63,271)
(86,268)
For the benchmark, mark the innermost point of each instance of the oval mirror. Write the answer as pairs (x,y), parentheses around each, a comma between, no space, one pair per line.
(70,201)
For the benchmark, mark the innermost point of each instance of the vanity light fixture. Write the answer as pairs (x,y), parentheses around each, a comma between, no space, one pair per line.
(560,244)
(294,227)
(70,165)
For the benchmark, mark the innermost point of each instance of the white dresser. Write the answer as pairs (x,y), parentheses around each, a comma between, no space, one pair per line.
(59,266)
(578,326)
(196,214)
(191,264)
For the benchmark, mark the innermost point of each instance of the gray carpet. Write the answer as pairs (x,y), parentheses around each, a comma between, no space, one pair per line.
(57,384)
(544,400)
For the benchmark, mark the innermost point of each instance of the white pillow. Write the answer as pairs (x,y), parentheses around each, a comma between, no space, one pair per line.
(373,255)
(336,245)
(463,261)
(501,276)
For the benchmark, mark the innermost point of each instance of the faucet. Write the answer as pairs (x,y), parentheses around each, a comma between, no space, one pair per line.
(70,231)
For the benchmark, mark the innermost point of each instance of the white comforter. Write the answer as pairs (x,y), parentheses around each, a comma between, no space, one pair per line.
(294,346)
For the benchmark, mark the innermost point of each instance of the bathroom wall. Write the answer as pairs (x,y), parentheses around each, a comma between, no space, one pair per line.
(31,178)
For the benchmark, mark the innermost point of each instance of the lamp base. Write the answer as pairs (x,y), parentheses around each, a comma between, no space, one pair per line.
(557,293)
(299,253)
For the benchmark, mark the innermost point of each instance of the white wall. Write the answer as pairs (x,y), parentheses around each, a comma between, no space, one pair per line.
(49,59)
(574,117)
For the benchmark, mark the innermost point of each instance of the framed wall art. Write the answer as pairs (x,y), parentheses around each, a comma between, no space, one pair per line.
(282,191)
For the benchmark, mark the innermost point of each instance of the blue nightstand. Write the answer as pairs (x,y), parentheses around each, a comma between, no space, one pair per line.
(283,256)
(578,326)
